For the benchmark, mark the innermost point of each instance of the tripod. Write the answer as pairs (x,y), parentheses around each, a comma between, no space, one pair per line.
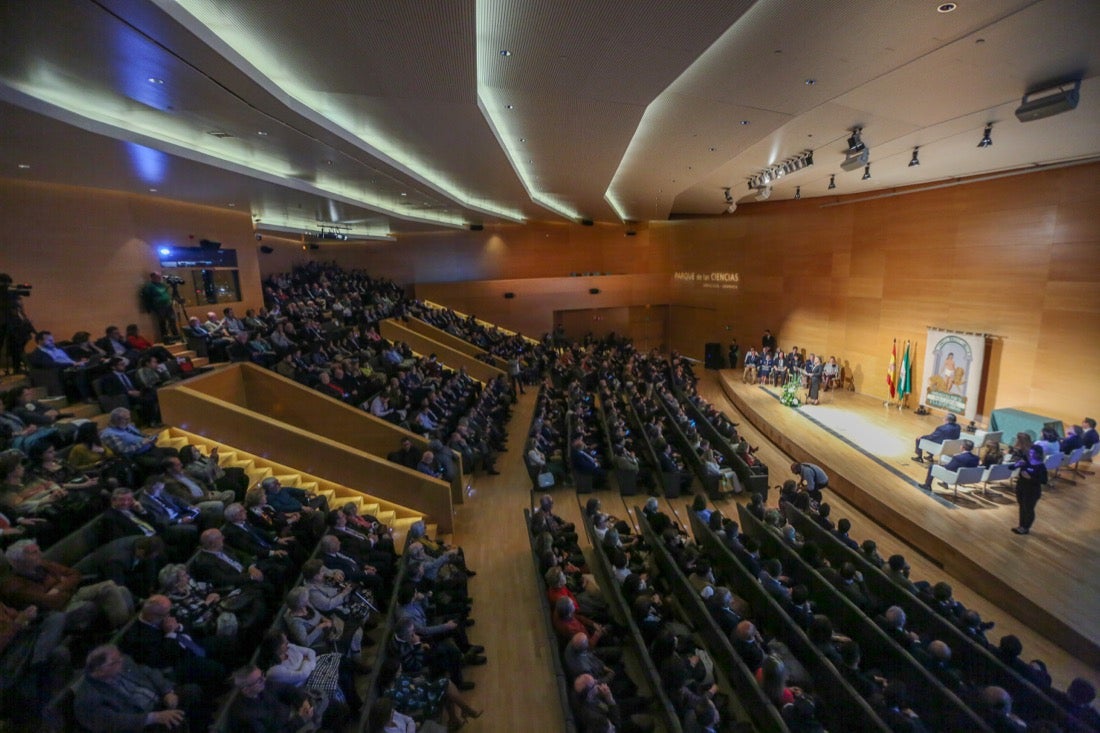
(179,308)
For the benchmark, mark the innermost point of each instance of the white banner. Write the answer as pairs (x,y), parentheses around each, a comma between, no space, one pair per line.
(953,371)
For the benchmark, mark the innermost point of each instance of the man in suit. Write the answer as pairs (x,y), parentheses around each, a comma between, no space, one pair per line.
(966,459)
(117,382)
(126,517)
(355,572)
(117,695)
(272,554)
(669,464)
(1090,437)
(158,640)
(75,373)
(175,520)
(950,430)
(131,562)
(223,569)
(584,464)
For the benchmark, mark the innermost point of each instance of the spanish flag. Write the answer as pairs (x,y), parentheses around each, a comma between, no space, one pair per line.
(892,370)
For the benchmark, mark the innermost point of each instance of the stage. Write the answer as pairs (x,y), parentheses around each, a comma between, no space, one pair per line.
(1049,579)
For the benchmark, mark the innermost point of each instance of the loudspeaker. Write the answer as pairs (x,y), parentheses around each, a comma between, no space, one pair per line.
(476,227)
(509,296)
(208,244)
(712,356)
(266,250)
(1061,100)
(593,291)
(586,222)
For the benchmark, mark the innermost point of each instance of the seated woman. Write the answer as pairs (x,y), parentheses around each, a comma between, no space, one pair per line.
(24,497)
(199,608)
(88,453)
(144,346)
(207,470)
(424,699)
(298,667)
(830,375)
(1049,442)
(306,626)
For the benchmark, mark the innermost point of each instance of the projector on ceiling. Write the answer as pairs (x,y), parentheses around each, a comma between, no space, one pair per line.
(1059,101)
(855,161)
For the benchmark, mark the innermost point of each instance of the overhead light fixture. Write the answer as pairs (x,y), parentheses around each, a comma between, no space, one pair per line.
(858,154)
(774,172)
(867,172)
(832,181)
(797,192)
(763,194)
(986,140)
(505,52)
(731,206)
(1059,100)
(23,166)
(915,160)
(946,7)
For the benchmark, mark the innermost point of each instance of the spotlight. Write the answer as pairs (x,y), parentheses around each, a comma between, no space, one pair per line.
(867,172)
(915,160)
(855,144)
(832,181)
(797,192)
(986,140)
(764,193)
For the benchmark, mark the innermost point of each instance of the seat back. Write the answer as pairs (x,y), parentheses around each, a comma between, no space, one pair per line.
(1053,462)
(951,447)
(998,472)
(994,437)
(969,475)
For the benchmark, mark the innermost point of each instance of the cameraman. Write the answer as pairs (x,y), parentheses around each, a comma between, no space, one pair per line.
(157,299)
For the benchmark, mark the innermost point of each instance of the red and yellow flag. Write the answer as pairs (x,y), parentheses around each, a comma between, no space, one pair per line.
(892,370)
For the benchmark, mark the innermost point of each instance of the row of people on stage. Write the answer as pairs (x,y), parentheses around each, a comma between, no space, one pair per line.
(773,367)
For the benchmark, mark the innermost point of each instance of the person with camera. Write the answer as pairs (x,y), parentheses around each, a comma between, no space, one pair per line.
(158,299)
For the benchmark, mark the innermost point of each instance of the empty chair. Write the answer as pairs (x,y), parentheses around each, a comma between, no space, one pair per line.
(963,477)
(998,472)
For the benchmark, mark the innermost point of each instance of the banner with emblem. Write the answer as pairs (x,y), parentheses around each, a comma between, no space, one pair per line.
(953,371)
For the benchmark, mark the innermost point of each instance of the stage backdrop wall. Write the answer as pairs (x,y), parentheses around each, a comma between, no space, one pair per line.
(1015,258)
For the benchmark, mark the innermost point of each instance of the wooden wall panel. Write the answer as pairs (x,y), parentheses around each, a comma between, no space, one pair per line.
(87,252)
(396,331)
(1016,257)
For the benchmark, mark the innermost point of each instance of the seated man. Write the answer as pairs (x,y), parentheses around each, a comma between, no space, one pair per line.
(74,373)
(175,520)
(965,459)
(224,569)
(273,554)
(113,344)
(48,585)
(195,491)
(158,640)
(269,706)
(117,695)
(356,572)
(118,382)
(950,430)
(124,439)
(584,464)
(1090,436)
(131,562)
(216,345)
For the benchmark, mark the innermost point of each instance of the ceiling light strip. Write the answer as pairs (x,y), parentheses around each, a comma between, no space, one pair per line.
(71,107)
(255,58)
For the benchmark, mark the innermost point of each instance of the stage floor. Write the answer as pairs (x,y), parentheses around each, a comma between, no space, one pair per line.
(1049,579)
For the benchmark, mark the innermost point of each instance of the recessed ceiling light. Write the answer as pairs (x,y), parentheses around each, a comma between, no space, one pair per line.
(744,122)
(154,80)
(979,40)
(811,82)
(232,205)
(404,194)
(523,139)
(713,149)
(152,190)
(946,7)
(508,106)
(505,52)
(24,166)
(328,162)
(261,133)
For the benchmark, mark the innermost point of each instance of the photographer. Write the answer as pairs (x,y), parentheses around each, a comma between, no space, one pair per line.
(157,299)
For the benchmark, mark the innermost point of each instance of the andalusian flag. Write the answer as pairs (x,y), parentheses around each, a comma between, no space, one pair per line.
(892,369)
(905,377)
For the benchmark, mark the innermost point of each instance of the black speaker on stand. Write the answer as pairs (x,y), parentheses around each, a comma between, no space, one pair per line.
(712,356)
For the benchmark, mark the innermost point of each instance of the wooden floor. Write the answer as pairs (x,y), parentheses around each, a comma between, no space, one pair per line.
(1049,580)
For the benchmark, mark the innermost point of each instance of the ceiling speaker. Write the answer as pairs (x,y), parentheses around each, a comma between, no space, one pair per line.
(593,291)
(1061,100)
(509,296)
(266,249)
